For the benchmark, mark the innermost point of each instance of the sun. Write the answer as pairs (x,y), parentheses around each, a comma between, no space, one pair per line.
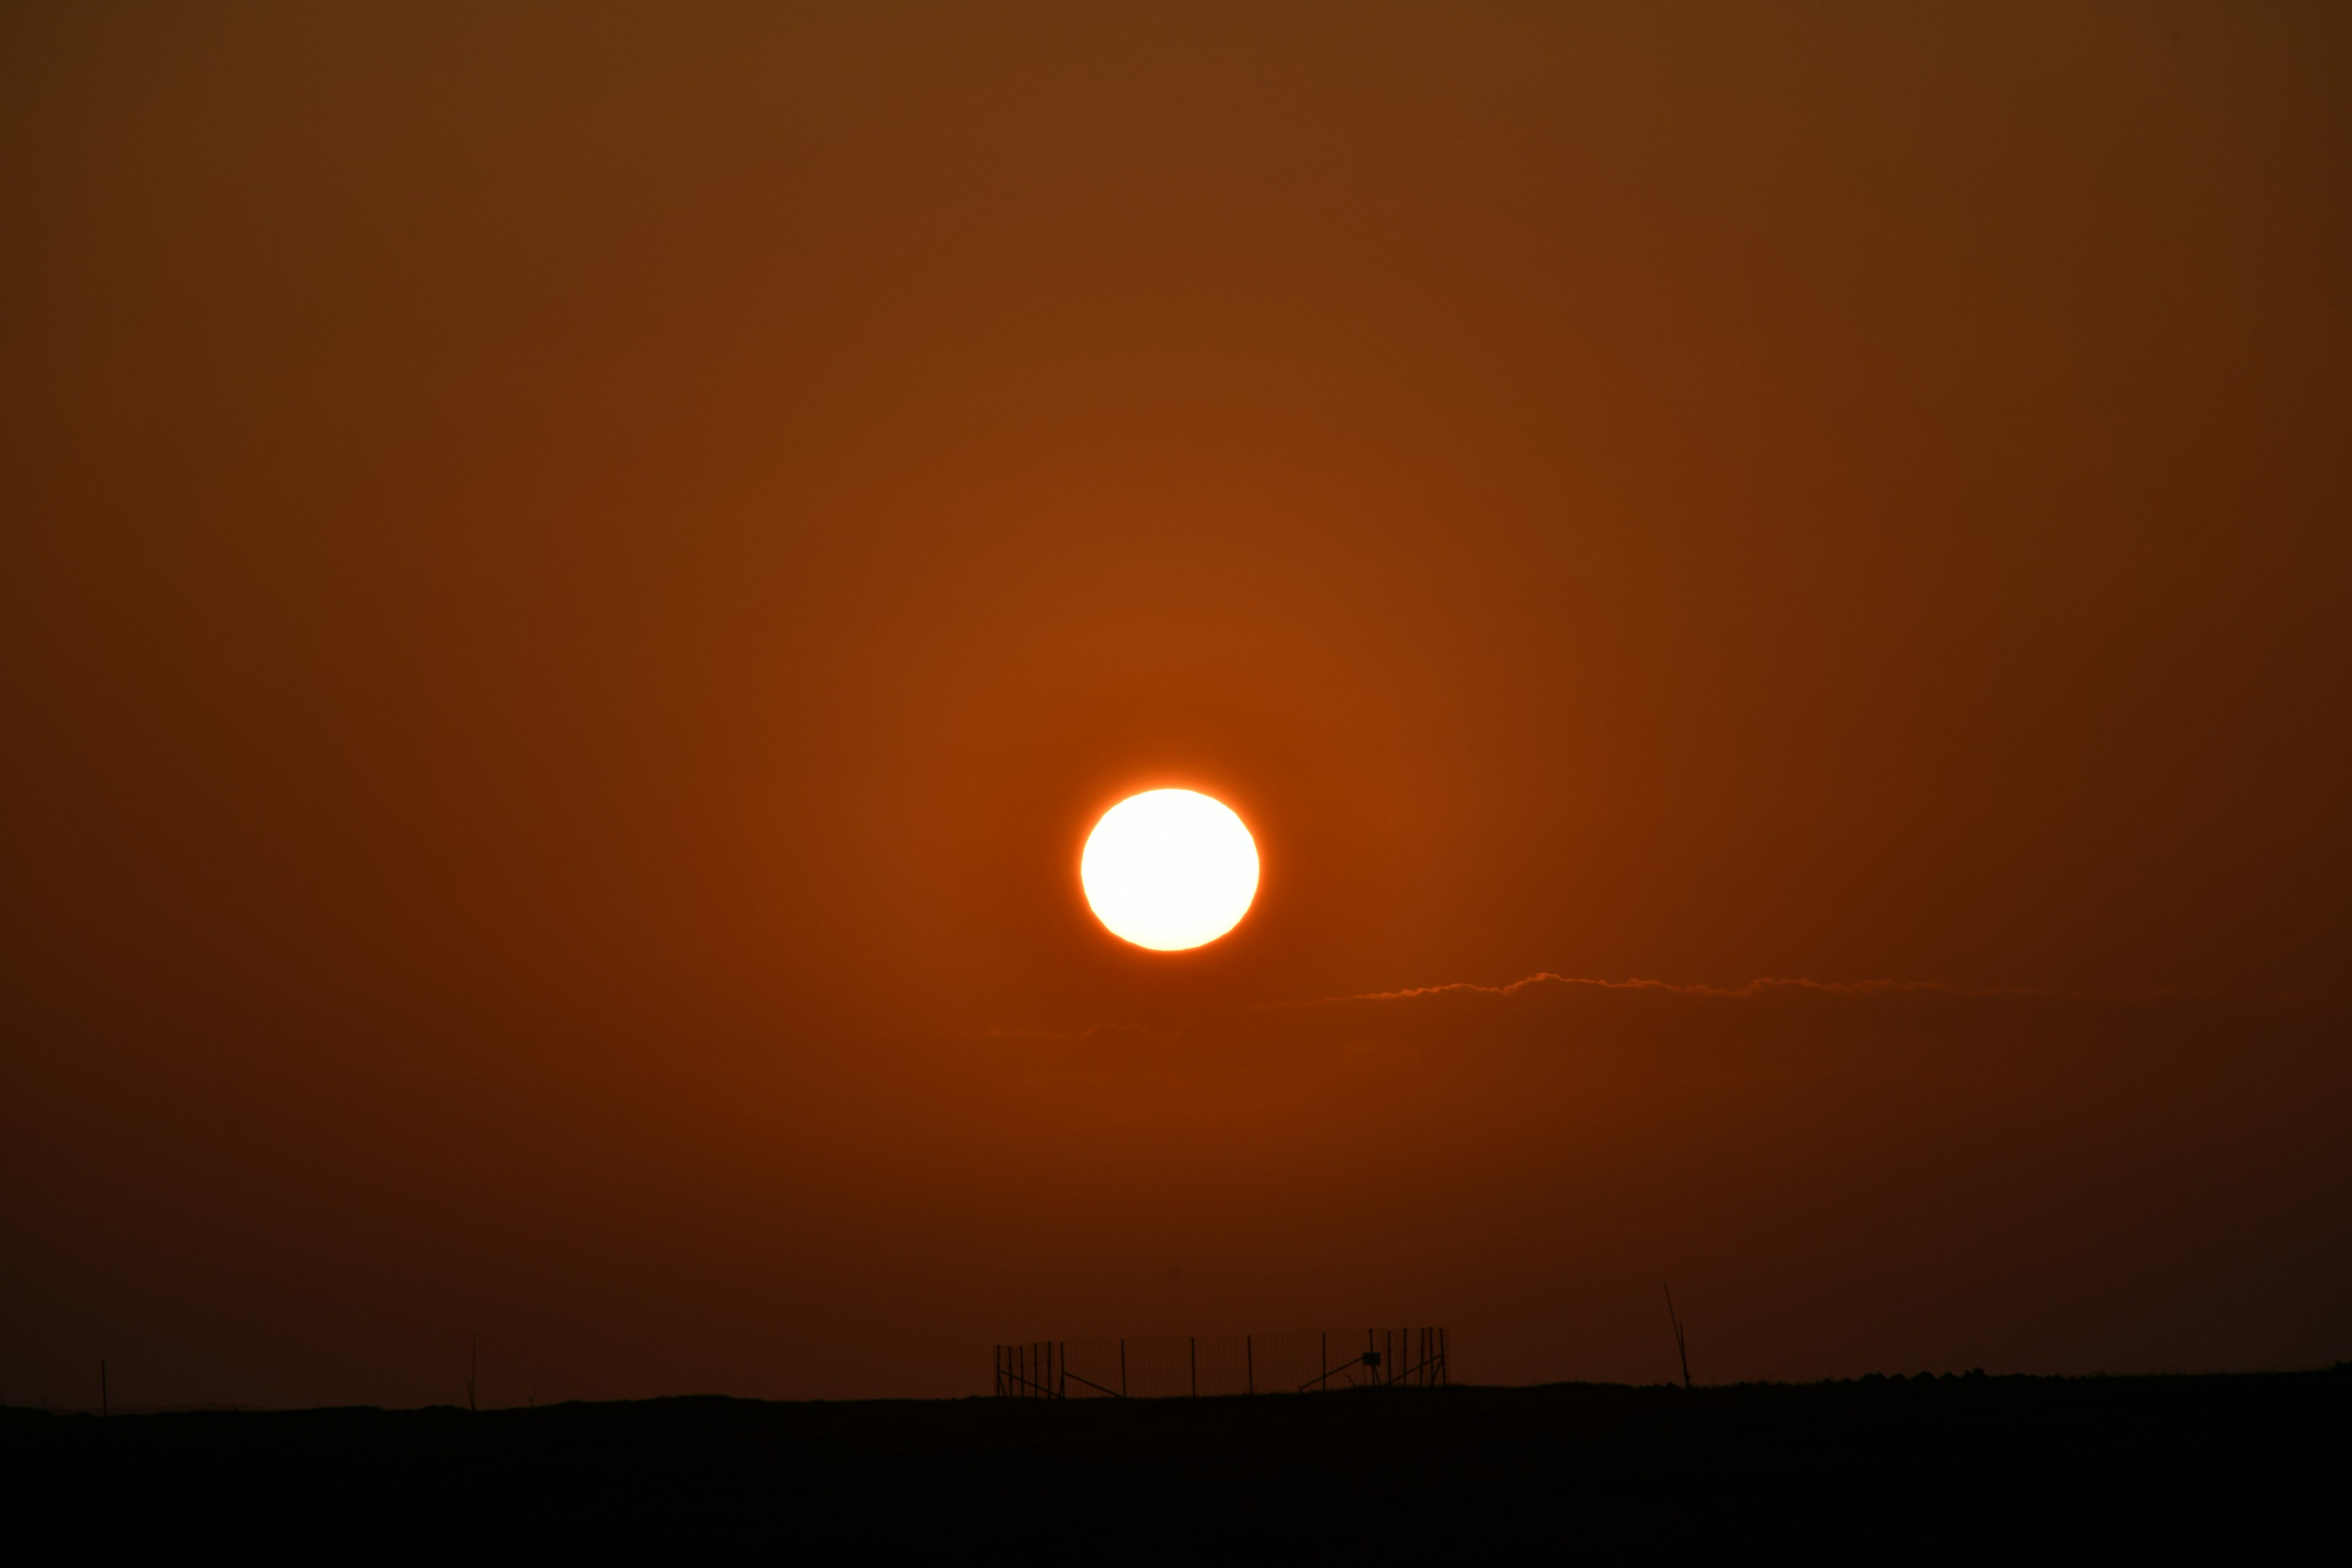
(1169,870)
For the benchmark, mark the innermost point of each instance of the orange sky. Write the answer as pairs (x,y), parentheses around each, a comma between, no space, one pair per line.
(574,578)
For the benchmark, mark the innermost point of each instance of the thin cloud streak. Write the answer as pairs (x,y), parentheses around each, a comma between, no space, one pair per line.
(1757,987)
(1763,986)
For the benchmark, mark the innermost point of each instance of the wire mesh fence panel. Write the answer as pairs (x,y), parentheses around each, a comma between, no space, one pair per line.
(1213,1365)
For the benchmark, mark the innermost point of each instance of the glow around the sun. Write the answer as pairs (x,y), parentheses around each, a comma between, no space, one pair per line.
(1169,870)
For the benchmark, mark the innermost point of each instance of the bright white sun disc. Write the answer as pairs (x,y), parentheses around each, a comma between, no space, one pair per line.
(1170,869)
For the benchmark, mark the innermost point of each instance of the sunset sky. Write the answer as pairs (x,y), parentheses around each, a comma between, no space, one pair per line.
(1770,583)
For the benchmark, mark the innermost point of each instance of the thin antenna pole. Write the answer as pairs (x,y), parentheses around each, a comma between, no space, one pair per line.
(1682,1346)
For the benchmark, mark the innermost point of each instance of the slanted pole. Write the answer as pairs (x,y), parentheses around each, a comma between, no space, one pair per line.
(1682,1345)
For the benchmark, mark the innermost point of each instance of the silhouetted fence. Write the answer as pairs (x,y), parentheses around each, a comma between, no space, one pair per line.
(1171,1368)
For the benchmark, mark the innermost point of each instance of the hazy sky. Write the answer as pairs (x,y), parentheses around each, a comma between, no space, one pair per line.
(574,578)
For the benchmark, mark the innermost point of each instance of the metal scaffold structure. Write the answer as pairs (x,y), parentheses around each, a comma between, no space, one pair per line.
(1220,1365)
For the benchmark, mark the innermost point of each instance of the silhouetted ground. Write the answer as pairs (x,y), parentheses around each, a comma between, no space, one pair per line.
(2242,1464)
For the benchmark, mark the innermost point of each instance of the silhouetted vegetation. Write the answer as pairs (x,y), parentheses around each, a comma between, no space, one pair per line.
(1894,1462)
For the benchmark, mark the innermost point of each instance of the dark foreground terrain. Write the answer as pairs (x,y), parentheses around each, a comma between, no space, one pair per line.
(2242,1464)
